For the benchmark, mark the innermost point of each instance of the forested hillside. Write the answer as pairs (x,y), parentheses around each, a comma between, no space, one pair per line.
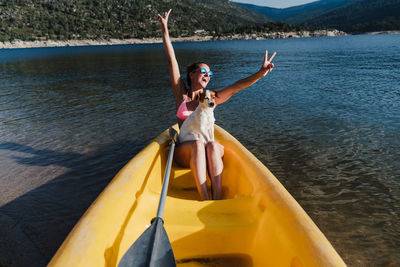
(351,16)
(120,19)
(362,16)
(298,14)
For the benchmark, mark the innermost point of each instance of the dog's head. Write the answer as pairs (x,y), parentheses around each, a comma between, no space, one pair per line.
(207,98)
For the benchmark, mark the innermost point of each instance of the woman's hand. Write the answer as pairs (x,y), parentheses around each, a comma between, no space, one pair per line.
(164,19)
(227,92)
(267,65)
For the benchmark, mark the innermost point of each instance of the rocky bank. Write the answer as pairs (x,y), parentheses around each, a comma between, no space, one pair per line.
(196,38)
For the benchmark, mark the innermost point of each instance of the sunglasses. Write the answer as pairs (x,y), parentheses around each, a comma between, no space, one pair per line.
(204,71)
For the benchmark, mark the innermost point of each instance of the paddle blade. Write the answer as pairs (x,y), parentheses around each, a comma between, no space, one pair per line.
(152,248)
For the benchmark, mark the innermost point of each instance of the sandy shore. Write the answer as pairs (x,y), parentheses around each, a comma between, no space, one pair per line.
(272,35)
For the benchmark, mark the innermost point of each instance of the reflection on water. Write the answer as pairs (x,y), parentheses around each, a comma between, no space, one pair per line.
(325,121)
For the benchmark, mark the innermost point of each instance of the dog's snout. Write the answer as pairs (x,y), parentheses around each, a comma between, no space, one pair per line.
(211,104)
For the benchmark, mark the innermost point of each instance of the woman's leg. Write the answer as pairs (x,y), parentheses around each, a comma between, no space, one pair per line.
(192,154)
(215,152)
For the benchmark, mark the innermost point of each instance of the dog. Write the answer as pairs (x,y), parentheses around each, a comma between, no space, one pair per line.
(200,124)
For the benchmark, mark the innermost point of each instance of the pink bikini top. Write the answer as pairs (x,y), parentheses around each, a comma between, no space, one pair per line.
(183,111)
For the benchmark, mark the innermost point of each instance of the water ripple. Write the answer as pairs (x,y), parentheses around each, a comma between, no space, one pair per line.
(325,121)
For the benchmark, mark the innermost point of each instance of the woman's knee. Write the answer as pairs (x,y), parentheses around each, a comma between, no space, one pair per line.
(186,151)
(197,147)
(215,148)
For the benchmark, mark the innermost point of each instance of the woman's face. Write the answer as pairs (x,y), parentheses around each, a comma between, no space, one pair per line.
(200,77)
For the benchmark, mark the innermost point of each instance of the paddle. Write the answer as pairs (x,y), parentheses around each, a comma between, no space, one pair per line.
(153,248)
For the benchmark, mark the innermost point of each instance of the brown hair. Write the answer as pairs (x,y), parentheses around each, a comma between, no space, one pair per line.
(190,68)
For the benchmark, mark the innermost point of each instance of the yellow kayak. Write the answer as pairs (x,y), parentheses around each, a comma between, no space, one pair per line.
(258,223)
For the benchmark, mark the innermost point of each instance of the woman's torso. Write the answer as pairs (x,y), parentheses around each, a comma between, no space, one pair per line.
(185,108)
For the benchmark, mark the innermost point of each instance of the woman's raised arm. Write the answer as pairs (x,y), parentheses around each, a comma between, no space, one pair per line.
(227,92)
(175,76)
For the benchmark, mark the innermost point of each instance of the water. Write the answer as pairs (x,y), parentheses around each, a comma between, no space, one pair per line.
(326,122)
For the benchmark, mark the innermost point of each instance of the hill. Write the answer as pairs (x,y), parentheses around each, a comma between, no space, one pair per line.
(352,16)
(362,16)
(298,14)
(119,19)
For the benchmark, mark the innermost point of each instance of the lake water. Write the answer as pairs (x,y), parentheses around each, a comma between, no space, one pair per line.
(326,122)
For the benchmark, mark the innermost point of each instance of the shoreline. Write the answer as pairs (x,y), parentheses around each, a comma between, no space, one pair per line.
(197,38)
(383,32)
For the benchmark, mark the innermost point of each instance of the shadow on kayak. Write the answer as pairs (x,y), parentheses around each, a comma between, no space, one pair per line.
(34,225)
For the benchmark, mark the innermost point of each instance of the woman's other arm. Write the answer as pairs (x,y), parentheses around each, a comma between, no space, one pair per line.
(227,92)
(176,81)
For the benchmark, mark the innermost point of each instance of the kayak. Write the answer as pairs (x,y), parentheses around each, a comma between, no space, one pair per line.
(257,223)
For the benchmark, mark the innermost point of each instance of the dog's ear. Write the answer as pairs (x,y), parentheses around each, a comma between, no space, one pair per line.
(201,96)
(213,94)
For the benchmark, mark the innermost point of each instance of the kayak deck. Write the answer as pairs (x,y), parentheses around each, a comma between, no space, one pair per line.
(257,223)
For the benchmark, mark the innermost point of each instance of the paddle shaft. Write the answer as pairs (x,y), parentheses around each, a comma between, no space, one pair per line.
(161,205)
(153,248)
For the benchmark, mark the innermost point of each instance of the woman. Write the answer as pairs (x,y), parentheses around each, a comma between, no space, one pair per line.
(195,154)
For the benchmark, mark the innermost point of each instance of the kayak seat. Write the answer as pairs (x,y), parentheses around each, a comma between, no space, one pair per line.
(183,186)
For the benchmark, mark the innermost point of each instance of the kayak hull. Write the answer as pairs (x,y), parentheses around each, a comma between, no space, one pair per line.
(257,223)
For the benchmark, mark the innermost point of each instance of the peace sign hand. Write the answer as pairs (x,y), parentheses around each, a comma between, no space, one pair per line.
(268,65)
(164,19)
